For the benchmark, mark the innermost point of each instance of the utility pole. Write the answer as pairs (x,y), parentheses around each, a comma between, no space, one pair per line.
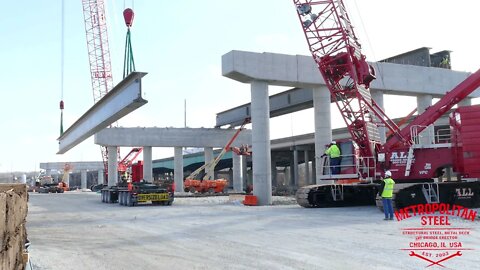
(185,112)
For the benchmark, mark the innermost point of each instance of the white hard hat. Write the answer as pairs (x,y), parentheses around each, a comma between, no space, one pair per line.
(334,142)
(388,174)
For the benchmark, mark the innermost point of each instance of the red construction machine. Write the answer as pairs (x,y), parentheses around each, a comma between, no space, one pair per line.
(207,183)
(126,163)
(416,164)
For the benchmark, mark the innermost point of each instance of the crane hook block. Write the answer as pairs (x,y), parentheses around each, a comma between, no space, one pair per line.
(128,16)
(61,104)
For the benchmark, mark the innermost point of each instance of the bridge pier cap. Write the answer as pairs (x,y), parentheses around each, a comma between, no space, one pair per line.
(301,71)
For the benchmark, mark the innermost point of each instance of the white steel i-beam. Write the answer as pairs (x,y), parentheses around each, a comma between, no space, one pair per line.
(124,98)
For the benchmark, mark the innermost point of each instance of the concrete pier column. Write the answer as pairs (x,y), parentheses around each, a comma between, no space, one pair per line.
(288,174)
(306,158)
(465,102)
(244,172)
(67,179)
(209,171)
(83,177)
(427,135)
(448,174)
(100,176)
(229,180)
(323,127)
(274,172)
(312,178)
(147,164)
(295,168)
(237,173)
(378,97)
(262,181)
(112,165)
(178,169)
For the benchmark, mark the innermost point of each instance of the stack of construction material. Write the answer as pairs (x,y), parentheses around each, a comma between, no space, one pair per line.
(13,234)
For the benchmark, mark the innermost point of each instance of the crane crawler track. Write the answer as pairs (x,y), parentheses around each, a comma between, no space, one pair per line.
(466,194)
(315,196)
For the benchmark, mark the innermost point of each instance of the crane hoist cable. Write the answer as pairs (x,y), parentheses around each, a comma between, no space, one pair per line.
(62,66)
(378,68)
(128,61)
(132,3)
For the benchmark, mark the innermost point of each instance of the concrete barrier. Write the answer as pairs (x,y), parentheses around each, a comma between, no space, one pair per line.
(13,234)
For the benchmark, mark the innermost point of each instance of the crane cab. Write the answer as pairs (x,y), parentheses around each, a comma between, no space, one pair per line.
(353,168)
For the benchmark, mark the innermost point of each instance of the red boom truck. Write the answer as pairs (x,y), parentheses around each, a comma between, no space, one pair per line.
(213,186)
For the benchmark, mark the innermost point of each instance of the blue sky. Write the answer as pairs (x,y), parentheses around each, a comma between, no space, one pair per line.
(180,44)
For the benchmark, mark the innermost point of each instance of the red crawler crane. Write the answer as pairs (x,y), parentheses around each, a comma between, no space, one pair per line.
(337,52)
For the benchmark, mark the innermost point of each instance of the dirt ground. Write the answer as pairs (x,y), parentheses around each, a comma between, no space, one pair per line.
(76,231)
(13,214)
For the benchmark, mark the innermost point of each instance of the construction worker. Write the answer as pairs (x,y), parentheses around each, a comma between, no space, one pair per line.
(386,192)
(333,152)
(445,62)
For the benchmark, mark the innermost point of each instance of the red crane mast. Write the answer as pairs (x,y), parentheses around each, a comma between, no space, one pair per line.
(98,48)
(98,54)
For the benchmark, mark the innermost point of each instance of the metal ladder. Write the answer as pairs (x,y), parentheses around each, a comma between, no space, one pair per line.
(430,191)
(337,192)
(409,161)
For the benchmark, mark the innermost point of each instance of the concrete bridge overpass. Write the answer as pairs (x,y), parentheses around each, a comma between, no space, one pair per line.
(260,70)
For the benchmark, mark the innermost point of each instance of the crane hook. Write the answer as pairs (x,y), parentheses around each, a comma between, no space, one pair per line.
(128,17)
